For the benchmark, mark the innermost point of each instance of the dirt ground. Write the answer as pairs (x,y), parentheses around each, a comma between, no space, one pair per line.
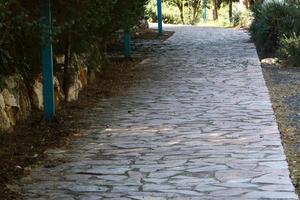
(25,147)
(284,87)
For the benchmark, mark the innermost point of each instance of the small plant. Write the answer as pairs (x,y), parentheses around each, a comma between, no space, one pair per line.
(290,49)
(242,19)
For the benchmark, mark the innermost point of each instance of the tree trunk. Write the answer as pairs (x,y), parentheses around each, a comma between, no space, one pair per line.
(67,65)
(230,10)
(180,6)
(246,3)
(195,11)
(215,10)
(181,14)
(195,16)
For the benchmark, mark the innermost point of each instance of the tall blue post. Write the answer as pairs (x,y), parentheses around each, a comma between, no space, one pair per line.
(159,17)
(127,44)
(47,62)
(204,11)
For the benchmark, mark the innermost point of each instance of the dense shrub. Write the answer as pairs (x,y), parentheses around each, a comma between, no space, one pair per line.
(79,27)
(272,21)
(290,49)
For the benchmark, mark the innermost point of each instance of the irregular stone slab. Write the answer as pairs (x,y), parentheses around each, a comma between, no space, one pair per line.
(183,192)
(189,180)
(242,164)
(60,197)
(154,187)
(124,188)
(238,185)
(163,174)
(112,177)
(85,188)
(147,198)
(271,195)
(208,188)
(208,168)
(154,180)
(229,192)
(282,188)
(105,171)
(273,178)
(232,175)
(275,164)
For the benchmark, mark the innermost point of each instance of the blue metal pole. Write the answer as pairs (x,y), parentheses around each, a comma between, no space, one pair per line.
(204,11)
(127,44)
(47,62)
(159,17)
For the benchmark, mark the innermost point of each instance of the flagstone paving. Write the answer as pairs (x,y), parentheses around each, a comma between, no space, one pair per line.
(199,126)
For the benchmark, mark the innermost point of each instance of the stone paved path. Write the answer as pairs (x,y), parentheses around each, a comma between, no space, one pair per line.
(200,126)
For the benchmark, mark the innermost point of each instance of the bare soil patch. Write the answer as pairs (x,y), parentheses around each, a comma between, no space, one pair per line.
(284,88)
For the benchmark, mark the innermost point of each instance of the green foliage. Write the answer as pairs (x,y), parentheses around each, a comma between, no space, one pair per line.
(290,49)
(18,37)
(242,19)
(78,26)
(171,14)
(295,2)
(272,21)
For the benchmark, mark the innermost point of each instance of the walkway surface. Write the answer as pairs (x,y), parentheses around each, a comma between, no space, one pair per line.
(199,126)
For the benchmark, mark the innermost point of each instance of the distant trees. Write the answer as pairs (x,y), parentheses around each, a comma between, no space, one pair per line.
(190,10)
(215,6)
(193,8)
(180,5)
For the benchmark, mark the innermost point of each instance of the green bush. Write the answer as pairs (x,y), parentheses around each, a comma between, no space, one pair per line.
(242,19)
(271,22)
(290,49)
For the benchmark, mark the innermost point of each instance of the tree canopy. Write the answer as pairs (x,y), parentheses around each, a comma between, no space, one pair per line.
(78,24)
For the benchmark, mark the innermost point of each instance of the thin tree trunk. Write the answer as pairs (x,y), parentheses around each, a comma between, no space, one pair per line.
(180,6)
(246,3)
(196,7)
(215,10)
(230,10)
(67,65)
(181,14)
